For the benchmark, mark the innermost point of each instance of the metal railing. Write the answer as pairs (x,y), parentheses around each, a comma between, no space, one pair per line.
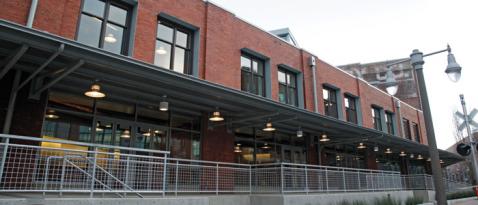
(58,166)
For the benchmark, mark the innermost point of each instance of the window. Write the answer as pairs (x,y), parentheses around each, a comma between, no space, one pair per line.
(105,24)
(389,122)
(252,75)
(173,47)
(377,118)
(287,87)
(330,102)
(350,109)
(416,132)
(406,129)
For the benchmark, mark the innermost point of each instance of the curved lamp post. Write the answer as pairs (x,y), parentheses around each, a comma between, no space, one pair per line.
(454,72)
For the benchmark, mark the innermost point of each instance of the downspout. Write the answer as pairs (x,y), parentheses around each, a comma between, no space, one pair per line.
(31,14)
(399,116)
(312,65)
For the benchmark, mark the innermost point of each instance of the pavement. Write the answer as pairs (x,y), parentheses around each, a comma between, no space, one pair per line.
(467,202)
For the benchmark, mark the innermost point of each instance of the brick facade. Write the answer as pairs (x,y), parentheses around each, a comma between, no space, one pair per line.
(222,36)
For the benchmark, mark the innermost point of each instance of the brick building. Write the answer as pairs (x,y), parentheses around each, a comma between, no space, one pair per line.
(168,67)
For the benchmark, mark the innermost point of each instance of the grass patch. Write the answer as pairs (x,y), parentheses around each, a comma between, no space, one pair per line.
(413,200)
(460,195)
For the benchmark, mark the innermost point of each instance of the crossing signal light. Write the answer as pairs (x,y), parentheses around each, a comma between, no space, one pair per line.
(463,149)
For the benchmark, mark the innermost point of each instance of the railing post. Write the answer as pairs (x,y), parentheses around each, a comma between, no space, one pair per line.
(326,180)
(45,178)
(176,179)
(165,171)
(126,178)
(306,181)
(62,177)
(343,176)
(217,179)
(4,157)
(281,178)
(250,179)
(358,181)
(93,174)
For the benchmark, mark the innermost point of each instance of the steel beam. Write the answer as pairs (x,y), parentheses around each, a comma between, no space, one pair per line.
(68,69)
(12,59)
(11,103)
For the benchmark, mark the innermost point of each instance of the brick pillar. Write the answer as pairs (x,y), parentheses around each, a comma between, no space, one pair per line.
(371,159)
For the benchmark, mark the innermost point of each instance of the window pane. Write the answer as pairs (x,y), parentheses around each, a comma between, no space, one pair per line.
(325,93)
(254,67)
(94,7)
(260,68)
(245,81)
(165,33)
(245,63)
(181,39)
(179,57)
(282,93)
(162,56)
(260,86)
(292,81)
(89,31)
(347,104)
(113,38)
(282,77)
(117,15)
(292,96)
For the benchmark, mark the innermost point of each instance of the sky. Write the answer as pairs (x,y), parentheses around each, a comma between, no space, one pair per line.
(350,31)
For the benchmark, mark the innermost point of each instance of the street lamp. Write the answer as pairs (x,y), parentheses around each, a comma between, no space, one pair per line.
(454,72)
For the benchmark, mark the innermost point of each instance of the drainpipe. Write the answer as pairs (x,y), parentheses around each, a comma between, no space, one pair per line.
(400,121)
(312,64)
(31,14)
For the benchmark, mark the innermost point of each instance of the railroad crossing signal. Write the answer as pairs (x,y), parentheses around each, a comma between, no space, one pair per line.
(470,119)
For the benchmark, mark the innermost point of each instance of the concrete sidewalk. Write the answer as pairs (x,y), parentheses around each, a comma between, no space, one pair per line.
(471,201)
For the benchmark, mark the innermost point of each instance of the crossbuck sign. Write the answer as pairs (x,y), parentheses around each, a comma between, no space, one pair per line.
(470,119)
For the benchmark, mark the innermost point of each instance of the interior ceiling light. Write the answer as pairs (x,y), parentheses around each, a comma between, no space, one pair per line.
(50,114)
(375,149)
(361,146)
(269,127)
(412,156)
(216,116)
(402,154)
(161,50)
(420,157)
(324,138)
(388,151)
(237,149)
(266,146)
(164,105)
(110,38)
(376,160)
(95,91)
(126,134)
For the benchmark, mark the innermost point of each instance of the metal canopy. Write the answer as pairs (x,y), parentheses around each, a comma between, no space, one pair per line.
(70,66)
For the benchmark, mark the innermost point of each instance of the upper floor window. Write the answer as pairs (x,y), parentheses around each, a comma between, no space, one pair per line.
(105,24)
(350,109)
(173,47)
(389,122)
(330,102)
(406,129)
(287,87)
(416,132)
(377,118)
(252,75)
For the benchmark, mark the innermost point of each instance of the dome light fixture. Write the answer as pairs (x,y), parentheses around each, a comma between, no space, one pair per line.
(412,156)
(388,151)
(453,70)
(299,132)
(95,91)
(266,146)
(402,154)
(125,134)
(237,149)
(51,115)
(164,105)
(375,149)
(269,127)
(324,138)
(391,84)
(361,146)
(420,157)
(338,158)
(216,116)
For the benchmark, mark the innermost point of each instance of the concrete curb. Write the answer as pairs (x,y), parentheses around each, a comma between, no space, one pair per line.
(451,202)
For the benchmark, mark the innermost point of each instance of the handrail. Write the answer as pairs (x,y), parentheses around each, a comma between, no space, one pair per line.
(81,143)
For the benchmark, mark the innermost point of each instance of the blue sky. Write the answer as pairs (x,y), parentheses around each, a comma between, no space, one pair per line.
(350,31)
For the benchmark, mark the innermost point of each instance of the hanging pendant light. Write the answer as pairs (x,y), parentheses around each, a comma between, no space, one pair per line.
(265,146)
(402,154)
(429,159)
(420,157)
(324,138)
(361,146)
(412,156)
(388,151)
(50,114)
(110,38)
(95,91)
(300,133)
(161,50)
(269,127)
(237,149)
(442,162)
(375,149)
(125,134)
(164,105)
(338,158)
(216,116)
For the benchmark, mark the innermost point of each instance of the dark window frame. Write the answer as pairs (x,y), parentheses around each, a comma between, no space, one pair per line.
(407,129)
(331,102)
(253,75)
(389,121)
(288,86)
(351,110)
(377,118)
(188,58)
(105,21)
(416,132)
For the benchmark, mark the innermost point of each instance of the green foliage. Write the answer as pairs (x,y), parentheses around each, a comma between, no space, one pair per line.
(345,202)
(459,195)
(386,201)
(413,200)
